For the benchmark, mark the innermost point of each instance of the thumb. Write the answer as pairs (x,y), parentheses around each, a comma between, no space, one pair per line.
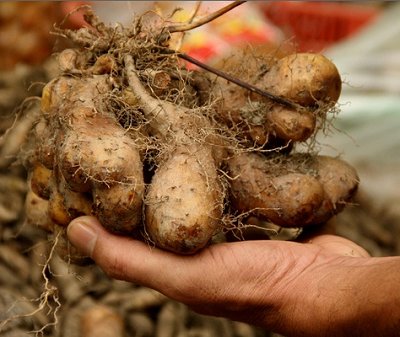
(122,257)
(83,233)
(338,245)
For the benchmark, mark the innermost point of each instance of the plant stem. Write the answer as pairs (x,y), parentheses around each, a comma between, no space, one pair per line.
(252,88)
(203,20)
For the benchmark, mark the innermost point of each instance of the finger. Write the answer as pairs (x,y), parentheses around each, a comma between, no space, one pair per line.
(124,258)
(338,245)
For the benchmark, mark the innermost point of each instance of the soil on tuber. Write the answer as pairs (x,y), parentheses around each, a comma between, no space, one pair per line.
(178,157)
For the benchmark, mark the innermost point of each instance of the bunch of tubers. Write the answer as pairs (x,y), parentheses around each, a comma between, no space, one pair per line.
(155,151)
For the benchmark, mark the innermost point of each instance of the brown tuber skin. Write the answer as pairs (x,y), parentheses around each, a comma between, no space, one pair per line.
(184,202)
(41,180)
(94,155)
(183,212)
(37,211)
(86,162)
(289,124)
(309,80)
(340,181)
(304,78)
(288,195)
(44,147)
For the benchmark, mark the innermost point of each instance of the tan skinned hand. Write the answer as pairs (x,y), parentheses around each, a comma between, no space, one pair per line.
(297,289)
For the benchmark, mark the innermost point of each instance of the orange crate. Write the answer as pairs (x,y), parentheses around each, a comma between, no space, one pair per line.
(315,26)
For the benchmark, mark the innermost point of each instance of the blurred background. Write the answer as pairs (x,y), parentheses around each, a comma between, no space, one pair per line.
(361,38)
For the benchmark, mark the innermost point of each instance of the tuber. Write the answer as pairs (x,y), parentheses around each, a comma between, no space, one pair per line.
(167,155)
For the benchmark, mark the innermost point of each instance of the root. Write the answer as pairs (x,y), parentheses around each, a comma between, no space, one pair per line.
(174,111)
(192,16)
(48,302)
(239,82)
(237,225)
(203,20)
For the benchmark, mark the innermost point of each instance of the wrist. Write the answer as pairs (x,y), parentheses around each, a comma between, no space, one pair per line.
(346,297)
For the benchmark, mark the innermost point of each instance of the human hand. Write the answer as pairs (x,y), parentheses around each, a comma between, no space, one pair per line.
(297,289)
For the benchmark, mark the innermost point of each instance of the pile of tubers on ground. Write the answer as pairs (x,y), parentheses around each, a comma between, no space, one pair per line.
(175,156)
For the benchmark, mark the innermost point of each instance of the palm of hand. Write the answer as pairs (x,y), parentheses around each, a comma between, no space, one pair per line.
(268,283)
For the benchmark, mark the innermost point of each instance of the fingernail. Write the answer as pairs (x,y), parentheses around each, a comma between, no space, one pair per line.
(82,236)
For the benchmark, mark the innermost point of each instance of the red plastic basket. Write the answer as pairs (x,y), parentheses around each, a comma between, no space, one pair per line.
(317,25)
